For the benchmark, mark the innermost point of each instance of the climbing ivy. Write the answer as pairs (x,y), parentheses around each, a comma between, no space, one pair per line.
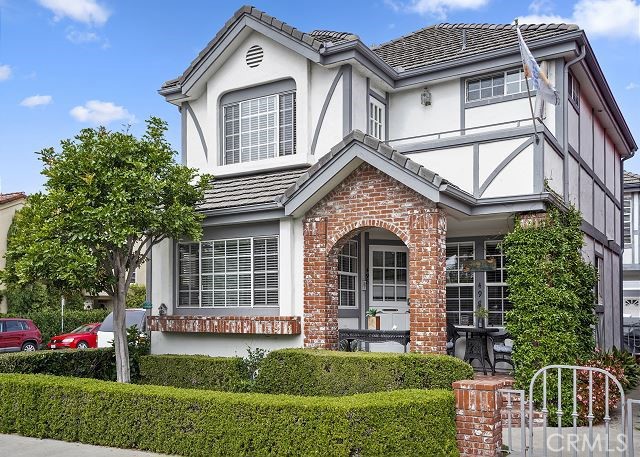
(552,291)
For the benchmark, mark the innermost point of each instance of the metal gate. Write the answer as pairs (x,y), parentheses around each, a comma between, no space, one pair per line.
(574,397)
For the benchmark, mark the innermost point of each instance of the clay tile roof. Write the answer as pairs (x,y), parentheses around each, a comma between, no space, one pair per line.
(13,196)
(446,42)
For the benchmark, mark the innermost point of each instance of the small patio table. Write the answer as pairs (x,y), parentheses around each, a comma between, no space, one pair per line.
(476,346)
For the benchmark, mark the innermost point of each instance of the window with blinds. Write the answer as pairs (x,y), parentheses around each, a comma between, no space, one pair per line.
(460,284)
(627,219)
(348,275)
(241,272)
(496,283)
(260,128)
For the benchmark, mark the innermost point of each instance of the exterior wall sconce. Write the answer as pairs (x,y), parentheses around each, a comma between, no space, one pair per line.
(425,97)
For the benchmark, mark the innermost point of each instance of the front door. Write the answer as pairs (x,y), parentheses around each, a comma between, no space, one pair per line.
(389,291)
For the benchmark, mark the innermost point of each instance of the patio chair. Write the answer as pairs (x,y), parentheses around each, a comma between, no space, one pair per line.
(452,337)
(502,349)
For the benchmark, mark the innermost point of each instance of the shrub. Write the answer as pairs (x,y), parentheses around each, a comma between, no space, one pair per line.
(88,363)
(318,372)
(195,372)
(48,320)
(136,296)
(206,423)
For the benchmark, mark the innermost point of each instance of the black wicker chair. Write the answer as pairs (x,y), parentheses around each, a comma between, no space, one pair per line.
(452,337)
(502,349)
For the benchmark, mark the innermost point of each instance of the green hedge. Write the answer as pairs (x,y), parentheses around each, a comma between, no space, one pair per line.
(89,363)
(206,423)
(195,372)
(318,372)
(48,321)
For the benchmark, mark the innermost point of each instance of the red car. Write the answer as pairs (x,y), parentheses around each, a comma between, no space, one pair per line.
(85,336)
(19,335)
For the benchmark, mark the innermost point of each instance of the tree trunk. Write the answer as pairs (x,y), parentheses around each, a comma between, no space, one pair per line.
(120,332)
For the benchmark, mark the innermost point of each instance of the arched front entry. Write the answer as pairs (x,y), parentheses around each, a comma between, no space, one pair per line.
(368,199)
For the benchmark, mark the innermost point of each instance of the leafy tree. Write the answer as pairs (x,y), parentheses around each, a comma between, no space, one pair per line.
(552,291)
(109,198)
(136,296)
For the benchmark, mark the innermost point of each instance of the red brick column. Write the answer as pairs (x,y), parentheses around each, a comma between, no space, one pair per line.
(320,316)
(427,281)
(478,420)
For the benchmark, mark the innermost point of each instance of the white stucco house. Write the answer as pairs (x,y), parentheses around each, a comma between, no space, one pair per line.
(351,177)
(9,204)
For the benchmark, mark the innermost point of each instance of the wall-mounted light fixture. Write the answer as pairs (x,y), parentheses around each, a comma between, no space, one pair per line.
(425,97)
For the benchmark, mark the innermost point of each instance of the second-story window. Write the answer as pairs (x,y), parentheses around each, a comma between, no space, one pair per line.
(503,83)
(376,118)
(260,128)
(574,90)
(627,219)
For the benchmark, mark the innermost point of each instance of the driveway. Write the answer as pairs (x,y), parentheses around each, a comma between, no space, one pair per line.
(19,446)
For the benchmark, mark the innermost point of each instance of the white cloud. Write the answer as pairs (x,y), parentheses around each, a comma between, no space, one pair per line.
(98,112)
(79,37)
(36,100)
(5,72)
(606,18)
(437,8)
(86,11)
(632,86)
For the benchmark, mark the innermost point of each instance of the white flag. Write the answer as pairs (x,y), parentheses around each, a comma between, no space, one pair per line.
(532,70)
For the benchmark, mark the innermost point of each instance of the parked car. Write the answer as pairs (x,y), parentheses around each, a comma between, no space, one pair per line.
(137,317)
(19,335)
(85,336)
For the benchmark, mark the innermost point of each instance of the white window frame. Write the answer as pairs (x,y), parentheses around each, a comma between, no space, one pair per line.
(460,285)
(396,302)
(243,119)
(573,89)
(250,272)
(377,114)
(503,284)
(356,261)
(627,208)
(504,75)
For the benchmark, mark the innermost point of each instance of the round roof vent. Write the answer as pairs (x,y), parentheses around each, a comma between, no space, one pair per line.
(254,56)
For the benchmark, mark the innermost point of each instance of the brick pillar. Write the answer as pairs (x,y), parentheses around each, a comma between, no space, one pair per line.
(427,282)
(320,315)
(478,420)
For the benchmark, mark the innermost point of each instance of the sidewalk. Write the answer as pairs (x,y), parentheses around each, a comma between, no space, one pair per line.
(19,446)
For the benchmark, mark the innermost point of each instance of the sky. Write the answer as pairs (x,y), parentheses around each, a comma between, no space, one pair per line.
(70,64)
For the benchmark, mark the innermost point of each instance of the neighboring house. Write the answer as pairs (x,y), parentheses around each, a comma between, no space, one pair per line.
(631,237)
(310,221)
(9,204)
(102,300)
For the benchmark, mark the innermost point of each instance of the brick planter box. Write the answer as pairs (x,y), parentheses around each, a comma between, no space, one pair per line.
(252,325)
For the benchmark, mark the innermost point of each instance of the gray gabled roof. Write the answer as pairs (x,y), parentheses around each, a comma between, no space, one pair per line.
(314,40)
(244,191)
(445,42)
(631,178)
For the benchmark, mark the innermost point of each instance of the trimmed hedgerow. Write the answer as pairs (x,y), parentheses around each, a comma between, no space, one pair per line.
(88,363)
(206,423)
(319,372)
(195,372)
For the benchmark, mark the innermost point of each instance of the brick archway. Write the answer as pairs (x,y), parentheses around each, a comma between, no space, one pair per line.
(369,198)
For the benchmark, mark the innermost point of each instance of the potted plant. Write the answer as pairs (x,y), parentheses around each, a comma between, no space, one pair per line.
(373,320)
(481,314)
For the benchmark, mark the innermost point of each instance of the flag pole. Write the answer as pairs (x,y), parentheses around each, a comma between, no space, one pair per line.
(526,80)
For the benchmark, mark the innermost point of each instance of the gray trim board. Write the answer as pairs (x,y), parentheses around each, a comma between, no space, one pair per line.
(463,97)
(538,166)
(325,106)
(347,100)
(502,165)
(596,180)
(183,135)
(377,96)
(386,114)
(198,129)
(366,94)
(476,170)
(242,215)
